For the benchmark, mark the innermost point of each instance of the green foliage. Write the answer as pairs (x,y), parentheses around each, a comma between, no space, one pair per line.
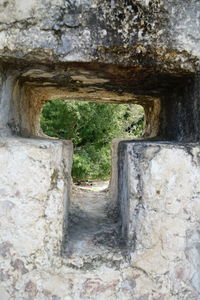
(91,163)
(91,127)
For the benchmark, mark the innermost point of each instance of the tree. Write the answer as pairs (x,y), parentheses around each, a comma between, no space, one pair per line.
(91,127)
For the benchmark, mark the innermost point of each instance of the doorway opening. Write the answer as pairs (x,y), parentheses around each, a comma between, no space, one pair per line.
(93,223)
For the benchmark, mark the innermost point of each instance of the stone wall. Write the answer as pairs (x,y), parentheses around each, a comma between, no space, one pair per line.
(181,112)
(131,32)
(159,194)
(34,196)
(159,197)
(133,51)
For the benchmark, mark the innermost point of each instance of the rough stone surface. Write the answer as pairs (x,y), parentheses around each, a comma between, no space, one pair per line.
(95,30)
(180,113)
(34,196)
(116,51)
(110,51)
(132,51)
(160,206)
(160,259)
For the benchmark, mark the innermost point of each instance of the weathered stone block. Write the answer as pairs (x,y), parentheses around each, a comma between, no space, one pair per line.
(159,197)
(34,195)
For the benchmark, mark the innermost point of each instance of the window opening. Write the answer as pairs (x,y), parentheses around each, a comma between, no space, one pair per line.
(93,224)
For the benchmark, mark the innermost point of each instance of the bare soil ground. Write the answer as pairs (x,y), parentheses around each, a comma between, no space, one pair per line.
(91,231)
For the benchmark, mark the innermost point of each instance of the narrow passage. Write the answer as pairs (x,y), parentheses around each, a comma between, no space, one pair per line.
(91,229)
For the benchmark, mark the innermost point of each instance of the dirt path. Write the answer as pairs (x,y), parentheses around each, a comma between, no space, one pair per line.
(91,231)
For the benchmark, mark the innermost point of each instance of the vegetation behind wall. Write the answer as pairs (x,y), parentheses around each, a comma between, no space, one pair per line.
(91,127)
